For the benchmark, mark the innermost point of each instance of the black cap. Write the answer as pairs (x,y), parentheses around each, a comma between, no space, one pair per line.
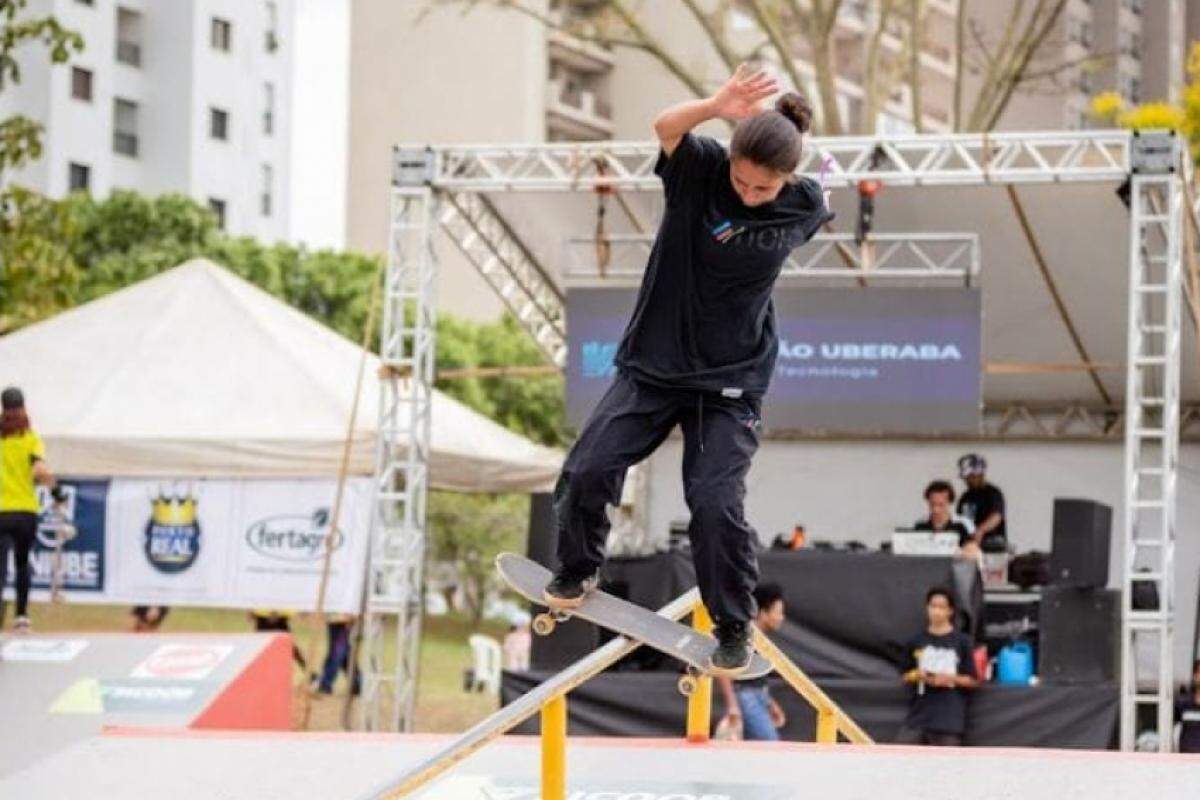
(12,398)
(971,464)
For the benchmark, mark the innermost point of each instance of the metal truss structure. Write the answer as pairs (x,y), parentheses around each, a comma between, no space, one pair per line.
(461,177)
(1152,433)
(394,593)
(952,256)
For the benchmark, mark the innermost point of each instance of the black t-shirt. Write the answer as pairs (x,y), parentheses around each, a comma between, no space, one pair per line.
(704,317)
(935,709)
(979,504)
(1187,712)
(952,526)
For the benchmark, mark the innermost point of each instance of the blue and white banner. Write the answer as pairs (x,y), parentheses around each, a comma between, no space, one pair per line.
(228,543)
(851,360)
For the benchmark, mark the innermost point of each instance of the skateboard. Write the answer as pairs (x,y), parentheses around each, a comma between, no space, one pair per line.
(693,648)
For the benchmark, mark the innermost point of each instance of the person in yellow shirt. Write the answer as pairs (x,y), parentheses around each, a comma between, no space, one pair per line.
(22,467)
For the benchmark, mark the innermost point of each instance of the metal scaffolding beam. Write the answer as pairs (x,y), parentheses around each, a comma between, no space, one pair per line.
(392,624)
(1152,434)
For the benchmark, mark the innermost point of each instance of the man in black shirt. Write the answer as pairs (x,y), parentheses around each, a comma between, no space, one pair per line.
(1187,714)
(941,666)
(983,504)
(939,497)
(700,348)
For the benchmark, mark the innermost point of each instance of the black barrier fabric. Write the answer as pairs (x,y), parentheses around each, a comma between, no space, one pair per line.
(881,359)
(648,704)
(848,614)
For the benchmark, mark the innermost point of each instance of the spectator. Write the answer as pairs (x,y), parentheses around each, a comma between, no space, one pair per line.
(940,665)
(148,619)
(983,504)
(22,467)
(516,646)
(1187,714)
(749,702)
(939,498)
(337,654)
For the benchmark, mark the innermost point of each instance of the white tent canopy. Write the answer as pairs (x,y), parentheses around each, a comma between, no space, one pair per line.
(196,373)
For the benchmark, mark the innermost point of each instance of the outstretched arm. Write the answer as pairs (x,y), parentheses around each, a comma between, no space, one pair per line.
(741,96)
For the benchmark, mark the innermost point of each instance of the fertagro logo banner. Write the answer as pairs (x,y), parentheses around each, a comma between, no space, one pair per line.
(172,540)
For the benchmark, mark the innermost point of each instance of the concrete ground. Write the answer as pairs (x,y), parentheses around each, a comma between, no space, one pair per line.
(126,763)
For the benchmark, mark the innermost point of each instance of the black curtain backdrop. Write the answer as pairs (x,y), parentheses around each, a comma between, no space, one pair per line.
(848,617)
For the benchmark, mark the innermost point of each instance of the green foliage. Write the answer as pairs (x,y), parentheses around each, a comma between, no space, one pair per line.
(20,137)
(39,276)
(469,531)
(532,406)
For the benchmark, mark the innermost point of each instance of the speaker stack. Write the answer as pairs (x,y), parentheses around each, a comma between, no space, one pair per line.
(1080,619)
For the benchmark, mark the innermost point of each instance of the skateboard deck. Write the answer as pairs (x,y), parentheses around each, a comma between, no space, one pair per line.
(675,639)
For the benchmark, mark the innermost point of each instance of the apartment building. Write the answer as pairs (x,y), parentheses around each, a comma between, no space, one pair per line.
(199,97)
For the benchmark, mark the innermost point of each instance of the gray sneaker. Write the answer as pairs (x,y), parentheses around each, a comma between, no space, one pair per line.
(733,652)
(567,590)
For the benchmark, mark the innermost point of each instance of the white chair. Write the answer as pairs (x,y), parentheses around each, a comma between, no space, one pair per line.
(485,653)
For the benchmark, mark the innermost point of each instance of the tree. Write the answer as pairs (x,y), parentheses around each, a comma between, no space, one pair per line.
(789,31)
(469,531)
(21,137)
(1109,107)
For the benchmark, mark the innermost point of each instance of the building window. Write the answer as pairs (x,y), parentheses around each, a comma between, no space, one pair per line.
(129,37)
(85,2)
(79,177)
(125,127)
(217,207)
(1134,6)
(81,84)
(268,108)
(218,124)
(268,178)
(1086,82)
(221,34)
(272,34)
(1130,87)
(1079,31)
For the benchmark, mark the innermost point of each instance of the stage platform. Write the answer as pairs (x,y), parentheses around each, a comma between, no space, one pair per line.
(61,689)
(200,765)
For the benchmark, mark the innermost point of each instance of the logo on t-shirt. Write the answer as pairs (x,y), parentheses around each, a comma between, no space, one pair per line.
(725,231)
(938,660)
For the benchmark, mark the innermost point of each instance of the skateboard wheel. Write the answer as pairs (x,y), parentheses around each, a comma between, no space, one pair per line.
(687,685)
(543,624)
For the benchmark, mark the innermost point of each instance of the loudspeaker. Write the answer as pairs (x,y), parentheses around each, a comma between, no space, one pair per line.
(543,534)
(1082,534)
(1079,634)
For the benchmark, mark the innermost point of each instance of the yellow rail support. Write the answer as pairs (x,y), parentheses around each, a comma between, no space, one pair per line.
(699,711)
(554,749)
(831,720)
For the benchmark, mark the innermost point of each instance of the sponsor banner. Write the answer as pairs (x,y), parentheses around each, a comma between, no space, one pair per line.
(873,360)
(80,525)
(42,650)
(191,662)
(91,696)
(241,544)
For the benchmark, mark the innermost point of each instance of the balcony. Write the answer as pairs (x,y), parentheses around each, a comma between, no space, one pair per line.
(579,55)
(575,113)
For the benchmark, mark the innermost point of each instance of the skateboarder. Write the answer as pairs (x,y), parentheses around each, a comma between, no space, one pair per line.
(700,348)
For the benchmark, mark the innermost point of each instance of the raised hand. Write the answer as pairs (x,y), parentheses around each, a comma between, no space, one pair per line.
(743,94)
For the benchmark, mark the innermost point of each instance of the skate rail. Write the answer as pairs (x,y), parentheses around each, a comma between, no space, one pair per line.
(549,698)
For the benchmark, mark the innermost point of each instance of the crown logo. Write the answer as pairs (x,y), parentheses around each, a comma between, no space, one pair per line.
(173,511)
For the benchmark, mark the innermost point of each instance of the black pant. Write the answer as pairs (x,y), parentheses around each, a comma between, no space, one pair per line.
(910,735)
(720,436)
(17,532)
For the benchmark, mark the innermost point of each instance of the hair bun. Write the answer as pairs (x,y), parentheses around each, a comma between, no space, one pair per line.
(793,106)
